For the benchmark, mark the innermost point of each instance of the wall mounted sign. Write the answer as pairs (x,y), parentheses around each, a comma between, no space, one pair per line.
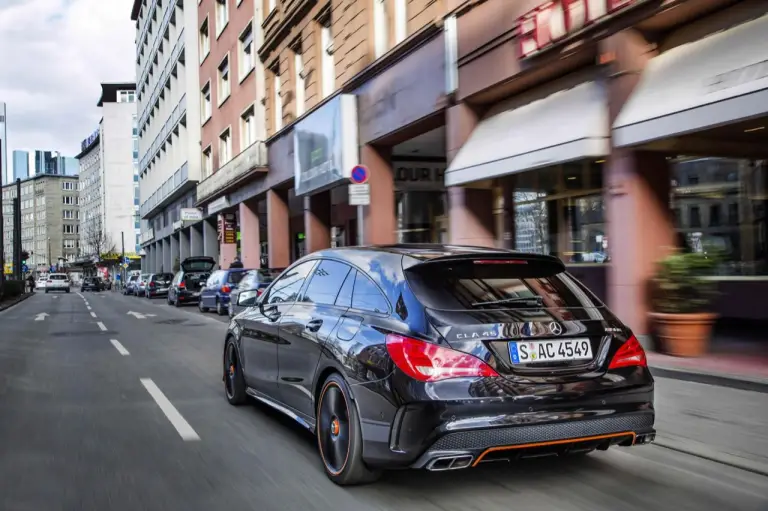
(190,215)
(88,142)
(218,205)
(426,176)
(555,21)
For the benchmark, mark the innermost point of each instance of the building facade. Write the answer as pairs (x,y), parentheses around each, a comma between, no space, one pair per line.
(49,220)
(109,188)
(613,134)
(20,165)
(168,123)
(5,172)
(35,163)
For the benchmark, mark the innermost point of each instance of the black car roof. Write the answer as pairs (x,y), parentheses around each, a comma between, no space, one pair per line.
(425,251)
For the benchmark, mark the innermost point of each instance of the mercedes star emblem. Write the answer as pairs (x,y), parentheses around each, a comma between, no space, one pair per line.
(555,328)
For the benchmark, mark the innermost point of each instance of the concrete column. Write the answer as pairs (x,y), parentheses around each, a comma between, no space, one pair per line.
(317,221)
(196,240)
(174,251)
(158,257)
(210,239)
(184,244)
(167,260)
(639,222)
(278,229)
(250,246)
(380,218)
(471,217)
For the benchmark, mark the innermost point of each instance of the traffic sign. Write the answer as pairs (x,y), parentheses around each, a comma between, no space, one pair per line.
(24,268)
(359,174)
(360,195)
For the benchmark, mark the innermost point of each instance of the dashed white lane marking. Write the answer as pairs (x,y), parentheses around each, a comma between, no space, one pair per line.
(92,313)
(88,307)
(182,426)
(101,325)
(86,303)
(119,347)
(81,296)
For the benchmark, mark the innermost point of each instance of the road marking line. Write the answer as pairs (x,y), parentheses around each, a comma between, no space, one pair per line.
(81,296)
(119,347)
(92,313)
(182,426)
(101,325)
(86,302)
(88,307)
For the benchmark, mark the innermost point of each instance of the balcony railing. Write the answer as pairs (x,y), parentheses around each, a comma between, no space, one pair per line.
(173,183)
(145,26)
(160,31)
(162,135)
(254,156)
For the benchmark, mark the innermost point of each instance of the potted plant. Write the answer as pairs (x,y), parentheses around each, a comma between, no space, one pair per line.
(680,301)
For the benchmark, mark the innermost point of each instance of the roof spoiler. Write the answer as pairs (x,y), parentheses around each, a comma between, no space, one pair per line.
(489,259)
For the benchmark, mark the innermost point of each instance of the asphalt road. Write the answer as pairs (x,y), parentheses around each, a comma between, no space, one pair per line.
(83,427)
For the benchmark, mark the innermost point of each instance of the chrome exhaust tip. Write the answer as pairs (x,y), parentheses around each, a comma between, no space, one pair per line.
(645,439)
(450,463)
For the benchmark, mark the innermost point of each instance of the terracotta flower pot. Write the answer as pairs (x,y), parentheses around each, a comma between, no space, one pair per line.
(684,335)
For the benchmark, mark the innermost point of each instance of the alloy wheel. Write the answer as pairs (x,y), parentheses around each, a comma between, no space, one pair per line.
(334,428)
(231,371)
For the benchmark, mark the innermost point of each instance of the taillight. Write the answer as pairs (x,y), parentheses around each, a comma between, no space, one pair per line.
(151,284)
(182,285)
(428,362)
(49,282)
(630,354)
(225,289)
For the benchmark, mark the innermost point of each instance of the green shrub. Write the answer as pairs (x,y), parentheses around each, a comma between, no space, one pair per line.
(679,286)
(13,288)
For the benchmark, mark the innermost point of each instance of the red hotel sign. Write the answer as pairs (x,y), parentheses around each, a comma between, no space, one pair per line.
(556,20)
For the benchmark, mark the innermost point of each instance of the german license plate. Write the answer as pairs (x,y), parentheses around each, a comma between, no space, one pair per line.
(561,350)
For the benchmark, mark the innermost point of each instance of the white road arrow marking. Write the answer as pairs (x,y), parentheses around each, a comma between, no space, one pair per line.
(137,315)
(41,316)
(150,315)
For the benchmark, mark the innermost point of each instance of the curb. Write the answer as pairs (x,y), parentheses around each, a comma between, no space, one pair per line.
(720,380)
(15,302)
(711,455)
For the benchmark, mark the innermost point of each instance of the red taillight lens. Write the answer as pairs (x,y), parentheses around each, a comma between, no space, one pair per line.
(182,285)
(428,362)
(49,282)
(151,284)
(630,354)
(225,289)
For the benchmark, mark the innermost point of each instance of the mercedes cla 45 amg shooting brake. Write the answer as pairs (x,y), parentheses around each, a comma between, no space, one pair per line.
(440,358)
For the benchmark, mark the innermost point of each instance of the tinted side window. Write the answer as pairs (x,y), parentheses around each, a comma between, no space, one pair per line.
(286,289)
(249,281)
(367,296)
(326,282)
(345,295)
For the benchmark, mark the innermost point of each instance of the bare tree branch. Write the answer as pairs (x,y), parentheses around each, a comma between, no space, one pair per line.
(96,239)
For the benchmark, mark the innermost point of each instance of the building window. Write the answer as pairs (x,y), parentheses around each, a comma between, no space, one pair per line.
(69,200)
(69,229)
(69,243)
(327,71)
(224,85)
(126,96)
(298,69)
(225,147)
(246,51)
(205,102)
(695,219)
(205,40)
(247,128)
(68,214)
(207,162)
(380,28)
(222,16)
(67,185)
(278,101)
(401,21)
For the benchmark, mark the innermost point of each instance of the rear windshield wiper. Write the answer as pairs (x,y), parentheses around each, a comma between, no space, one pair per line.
(528,300)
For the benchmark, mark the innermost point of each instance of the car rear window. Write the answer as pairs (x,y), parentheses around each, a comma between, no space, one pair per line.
(57,277)
(235,277)
(483,285)
(268,275)
(164,277)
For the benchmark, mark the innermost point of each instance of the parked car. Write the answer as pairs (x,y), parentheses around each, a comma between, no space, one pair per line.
(253,284)
(57,282)
(158,284)
(141,285)
(187,283)
(91,284)
(130,285)
(215,293)
(452,356)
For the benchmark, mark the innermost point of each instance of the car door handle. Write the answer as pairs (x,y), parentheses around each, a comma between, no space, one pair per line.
(314,325)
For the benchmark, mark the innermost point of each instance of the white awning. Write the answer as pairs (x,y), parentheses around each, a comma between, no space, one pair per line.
(711,82)
(570,124)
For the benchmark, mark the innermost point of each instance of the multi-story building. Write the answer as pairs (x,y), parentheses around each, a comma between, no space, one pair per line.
(34,163)
(5,172)
(168,116)
(20,165)
(49,220)
(109,188)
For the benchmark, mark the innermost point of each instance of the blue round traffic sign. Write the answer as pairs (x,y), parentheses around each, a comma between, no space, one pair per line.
(359,174)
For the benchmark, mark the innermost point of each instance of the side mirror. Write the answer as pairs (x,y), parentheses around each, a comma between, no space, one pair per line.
(247,298)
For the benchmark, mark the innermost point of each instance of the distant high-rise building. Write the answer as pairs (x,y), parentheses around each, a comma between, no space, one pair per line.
(20,165)
(5,173)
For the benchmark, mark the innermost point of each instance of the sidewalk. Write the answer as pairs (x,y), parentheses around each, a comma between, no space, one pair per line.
(746,371)
(5,304)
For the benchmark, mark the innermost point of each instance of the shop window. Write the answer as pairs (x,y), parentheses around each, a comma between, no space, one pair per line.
(560,210)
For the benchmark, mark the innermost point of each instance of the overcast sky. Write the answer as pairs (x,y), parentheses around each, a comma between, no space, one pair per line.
(53,66)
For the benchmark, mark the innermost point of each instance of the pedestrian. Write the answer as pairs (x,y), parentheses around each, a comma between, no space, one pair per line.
(31,281)
(237,263)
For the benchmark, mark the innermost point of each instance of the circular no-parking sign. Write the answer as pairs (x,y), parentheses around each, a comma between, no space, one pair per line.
(359,174)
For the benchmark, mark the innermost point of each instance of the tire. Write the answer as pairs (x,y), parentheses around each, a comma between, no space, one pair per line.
(46,291)
(176,302)
(234,383)
(67,291)
(168,299)
(220,308)
(338,424)
(200,306)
